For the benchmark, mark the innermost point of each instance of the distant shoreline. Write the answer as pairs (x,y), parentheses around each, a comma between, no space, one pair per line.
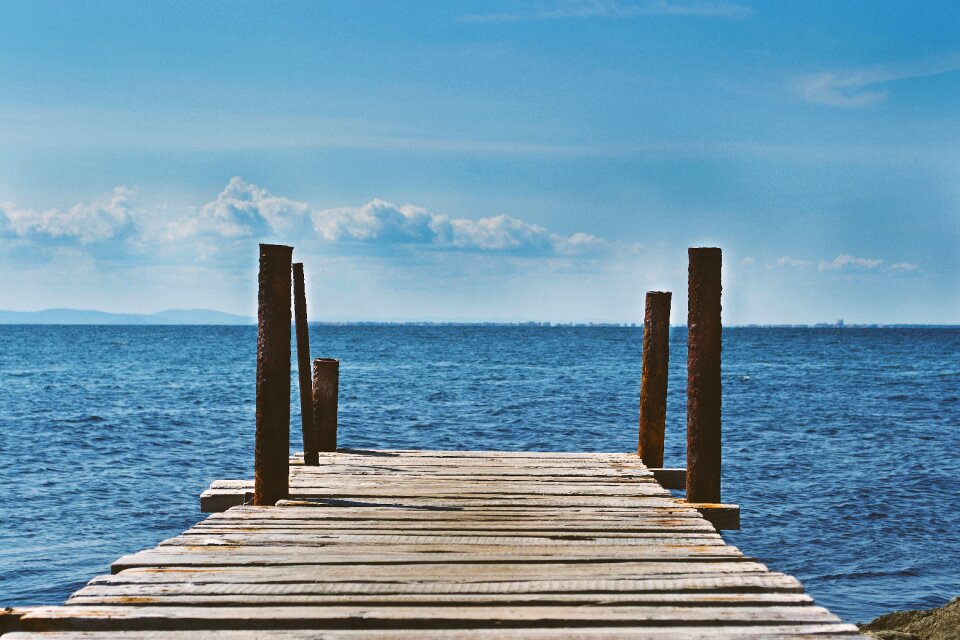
(207,317)
(106,318)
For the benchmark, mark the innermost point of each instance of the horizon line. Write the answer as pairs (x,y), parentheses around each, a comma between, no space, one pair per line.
(209,317)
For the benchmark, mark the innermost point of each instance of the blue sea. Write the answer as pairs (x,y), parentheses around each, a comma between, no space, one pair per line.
(842,446)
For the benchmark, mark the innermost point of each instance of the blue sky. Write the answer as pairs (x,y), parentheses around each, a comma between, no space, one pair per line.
(535,160)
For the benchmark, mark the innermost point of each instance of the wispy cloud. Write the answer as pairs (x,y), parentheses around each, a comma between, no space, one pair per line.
(615,9)
(865,87)
(843,262)
(904,266)
(787,261)
(847,261)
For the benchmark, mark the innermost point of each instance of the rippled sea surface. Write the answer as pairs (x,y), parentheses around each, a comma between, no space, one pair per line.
(842,446)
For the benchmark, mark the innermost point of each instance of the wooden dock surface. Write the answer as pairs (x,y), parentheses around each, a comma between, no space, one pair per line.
(446,544)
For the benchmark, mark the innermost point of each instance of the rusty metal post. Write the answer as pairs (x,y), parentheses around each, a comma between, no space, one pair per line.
(326,382)
(310,456)
(703,375)
(271,466)
(653,382)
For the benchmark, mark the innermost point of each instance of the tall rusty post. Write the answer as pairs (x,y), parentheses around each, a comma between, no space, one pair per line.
(653,382)
(326,382)
(310,456)
(271,466)
(703,375)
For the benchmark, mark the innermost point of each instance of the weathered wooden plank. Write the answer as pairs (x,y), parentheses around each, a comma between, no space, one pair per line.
(479,467)
(352,510)
(227,556)
(374,616)
(462,491)
(476,453)
(483,467)
(448,463)
(306,539)
(448,529)
(495,501)
(664,550)
(489,499)
(418,487)
(450,476)
(320,498)
(374,509)
(612,525)
(458,519)
(825,631)
(224,494)
(569,599)
(485,473)
(449,585)
(721,516)
(438,570)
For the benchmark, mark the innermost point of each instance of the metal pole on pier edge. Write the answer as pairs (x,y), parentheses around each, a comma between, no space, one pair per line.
(271,459)
(310,456)
(703,375)
(653,382)
(326,382)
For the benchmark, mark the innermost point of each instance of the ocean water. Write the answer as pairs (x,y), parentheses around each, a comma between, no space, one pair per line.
(842,446)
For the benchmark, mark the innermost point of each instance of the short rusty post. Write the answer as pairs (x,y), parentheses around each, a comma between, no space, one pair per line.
(653,382)
(326,382)
(703,375)
(310,456)
(271,466)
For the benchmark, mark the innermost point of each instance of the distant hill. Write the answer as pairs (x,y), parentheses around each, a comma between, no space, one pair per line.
(85,316)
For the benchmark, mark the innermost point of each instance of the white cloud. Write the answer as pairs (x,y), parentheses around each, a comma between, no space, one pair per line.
(245,212)
(904,266)
(580,243)
(748,261)
(863,87)
(378,221)
(242,210)
(787,261)
(108,218)
(501,233)
(615,9)
(847,261)
(382,222)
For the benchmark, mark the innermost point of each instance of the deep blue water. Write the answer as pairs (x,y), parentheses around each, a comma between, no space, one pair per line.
(841,446)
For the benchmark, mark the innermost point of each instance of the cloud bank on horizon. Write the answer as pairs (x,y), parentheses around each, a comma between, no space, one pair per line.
(244,211)
(116,232)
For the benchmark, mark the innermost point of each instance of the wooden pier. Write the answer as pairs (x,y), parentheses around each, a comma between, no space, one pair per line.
(452,544)
(445,544)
